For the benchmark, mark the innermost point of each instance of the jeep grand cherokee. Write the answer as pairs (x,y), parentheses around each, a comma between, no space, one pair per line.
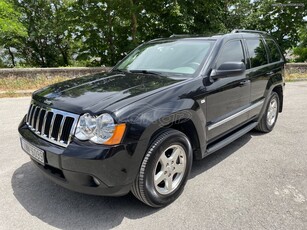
(138,127)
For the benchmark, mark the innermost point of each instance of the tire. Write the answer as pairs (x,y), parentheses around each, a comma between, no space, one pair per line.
(269,118)
(164,170)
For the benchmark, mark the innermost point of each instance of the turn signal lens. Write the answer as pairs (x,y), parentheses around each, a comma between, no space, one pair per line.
(118,134)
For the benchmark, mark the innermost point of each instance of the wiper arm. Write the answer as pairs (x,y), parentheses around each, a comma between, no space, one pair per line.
(121,70)
(144,71)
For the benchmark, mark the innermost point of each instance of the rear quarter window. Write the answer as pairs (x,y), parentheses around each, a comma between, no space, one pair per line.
(275,54)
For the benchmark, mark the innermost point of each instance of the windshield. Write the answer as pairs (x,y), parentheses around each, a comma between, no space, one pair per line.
(183,57)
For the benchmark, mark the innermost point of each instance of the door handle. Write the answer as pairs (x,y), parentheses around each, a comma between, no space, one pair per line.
(269,73)
(245,82)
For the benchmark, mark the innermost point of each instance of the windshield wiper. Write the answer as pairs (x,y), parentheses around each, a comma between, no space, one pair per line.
(120,70)
(143,71)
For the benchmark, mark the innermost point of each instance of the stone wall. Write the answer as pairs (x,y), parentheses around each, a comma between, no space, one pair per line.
(51,72)
(296,68)
(81,71)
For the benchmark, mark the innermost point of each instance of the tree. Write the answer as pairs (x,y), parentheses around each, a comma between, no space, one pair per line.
(47,43)
(280,18)
(301,50)
(10,28)
(62,32)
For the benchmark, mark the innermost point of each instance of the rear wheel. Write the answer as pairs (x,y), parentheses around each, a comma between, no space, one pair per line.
(164,170)
(269,118)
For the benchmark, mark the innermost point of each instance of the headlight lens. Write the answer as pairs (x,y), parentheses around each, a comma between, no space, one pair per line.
(99,129)
(86,127)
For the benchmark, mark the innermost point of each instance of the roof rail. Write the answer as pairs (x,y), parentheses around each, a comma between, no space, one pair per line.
(194,35)
(248,31)
(180,35)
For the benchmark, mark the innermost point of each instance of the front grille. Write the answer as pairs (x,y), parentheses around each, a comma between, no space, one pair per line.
(51,124)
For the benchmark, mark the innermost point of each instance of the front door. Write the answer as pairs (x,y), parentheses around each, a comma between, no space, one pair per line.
(228,98)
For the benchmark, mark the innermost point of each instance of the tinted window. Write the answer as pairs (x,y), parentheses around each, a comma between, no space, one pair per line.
(257,52)
(231,52)
(274,51)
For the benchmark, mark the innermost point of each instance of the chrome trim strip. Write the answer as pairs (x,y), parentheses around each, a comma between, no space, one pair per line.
(219,123)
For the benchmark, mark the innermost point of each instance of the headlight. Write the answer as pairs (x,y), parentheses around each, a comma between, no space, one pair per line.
(100,130)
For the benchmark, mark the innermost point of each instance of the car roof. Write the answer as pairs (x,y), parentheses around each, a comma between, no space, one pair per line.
(234,34)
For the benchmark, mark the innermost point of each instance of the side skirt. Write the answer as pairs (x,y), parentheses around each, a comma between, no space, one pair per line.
(230,138)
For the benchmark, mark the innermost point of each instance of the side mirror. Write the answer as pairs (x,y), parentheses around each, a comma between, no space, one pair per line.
(228,69)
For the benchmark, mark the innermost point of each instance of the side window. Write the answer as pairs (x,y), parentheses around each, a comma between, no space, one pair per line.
(231,52)
(274,51)
(257,52)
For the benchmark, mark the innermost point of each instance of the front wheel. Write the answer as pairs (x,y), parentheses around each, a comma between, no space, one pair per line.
(269,118)
(164,170)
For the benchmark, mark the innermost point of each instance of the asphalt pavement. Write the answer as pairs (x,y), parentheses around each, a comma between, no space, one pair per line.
(257,182)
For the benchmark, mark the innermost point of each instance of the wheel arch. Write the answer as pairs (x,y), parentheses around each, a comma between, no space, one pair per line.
(188,128)
(279,90)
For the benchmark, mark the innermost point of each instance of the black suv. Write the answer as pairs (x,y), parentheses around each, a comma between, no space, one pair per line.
(139,127)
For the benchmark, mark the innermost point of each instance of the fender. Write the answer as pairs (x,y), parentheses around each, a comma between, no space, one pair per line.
(154,119)
(274,81)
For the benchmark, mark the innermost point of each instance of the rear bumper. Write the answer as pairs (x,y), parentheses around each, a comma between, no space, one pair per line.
(85,167)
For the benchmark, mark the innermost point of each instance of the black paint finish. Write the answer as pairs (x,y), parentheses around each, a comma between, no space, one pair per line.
(147,103)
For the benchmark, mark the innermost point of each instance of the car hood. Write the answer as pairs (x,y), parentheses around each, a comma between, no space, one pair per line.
(96,92)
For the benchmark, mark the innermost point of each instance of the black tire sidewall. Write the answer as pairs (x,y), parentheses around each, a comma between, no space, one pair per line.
(155,198)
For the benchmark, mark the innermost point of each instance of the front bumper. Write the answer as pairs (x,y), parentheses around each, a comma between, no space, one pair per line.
(78,166)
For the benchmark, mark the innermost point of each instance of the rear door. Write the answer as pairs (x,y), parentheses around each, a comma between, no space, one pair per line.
(258,72)
(227,97)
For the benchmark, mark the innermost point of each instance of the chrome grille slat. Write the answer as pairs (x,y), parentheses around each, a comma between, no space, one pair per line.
(32,119)
(37,120)
(44,123)
(30,114)
(41,119)
(50,124)
(72,130)
(61,128)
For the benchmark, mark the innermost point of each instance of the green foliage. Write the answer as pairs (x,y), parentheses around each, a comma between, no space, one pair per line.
(11,29)
(280,18)
(50,33)
(47,43)
(301,50)
(9,20)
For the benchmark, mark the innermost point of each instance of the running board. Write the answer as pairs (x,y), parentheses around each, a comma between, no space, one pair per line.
(231,138)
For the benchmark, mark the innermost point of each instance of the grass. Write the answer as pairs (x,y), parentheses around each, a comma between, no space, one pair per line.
(26,83)
(14,94)
(296,76)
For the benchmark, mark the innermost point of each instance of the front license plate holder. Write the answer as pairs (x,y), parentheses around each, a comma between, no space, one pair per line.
(35,153)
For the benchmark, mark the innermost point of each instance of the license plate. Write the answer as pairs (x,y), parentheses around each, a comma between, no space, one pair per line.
(34,152)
